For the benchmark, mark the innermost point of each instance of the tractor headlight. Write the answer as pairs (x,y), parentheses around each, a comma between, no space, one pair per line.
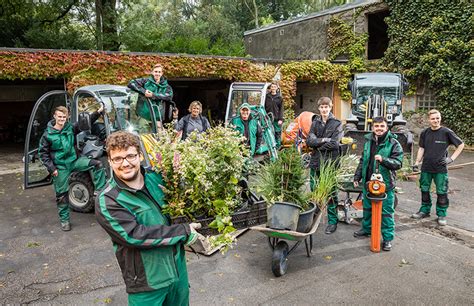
(376,186)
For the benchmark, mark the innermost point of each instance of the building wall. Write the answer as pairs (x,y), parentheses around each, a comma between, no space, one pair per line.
(305,39)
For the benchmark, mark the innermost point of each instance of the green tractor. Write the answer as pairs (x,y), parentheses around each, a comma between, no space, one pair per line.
(373,95)
(120,113)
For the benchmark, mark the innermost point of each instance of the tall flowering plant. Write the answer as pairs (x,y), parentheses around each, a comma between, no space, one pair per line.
(201,174)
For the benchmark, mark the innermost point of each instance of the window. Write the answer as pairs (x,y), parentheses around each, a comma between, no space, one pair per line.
(426,100)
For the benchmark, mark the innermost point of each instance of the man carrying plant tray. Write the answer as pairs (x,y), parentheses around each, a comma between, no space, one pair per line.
(381,146)
(149,251)
(324,137)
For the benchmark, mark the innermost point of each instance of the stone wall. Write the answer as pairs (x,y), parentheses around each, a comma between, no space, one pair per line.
(305,39)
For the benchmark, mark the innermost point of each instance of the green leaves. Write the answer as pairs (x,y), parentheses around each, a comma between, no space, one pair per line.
(432,41)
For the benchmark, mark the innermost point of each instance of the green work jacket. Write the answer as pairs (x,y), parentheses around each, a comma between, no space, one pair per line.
(392,158)
(149,250)
(254,132)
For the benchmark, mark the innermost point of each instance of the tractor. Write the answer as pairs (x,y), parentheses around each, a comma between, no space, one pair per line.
(373,95)
(254,94)
(120,113)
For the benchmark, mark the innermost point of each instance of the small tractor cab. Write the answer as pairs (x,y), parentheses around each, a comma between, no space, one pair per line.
(373,95)
(253,94)
(120,113)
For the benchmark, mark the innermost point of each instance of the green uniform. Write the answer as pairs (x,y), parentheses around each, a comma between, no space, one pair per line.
(392,156)
(57,152)
(250,130)
(434,167)
(149,251)
(162,92)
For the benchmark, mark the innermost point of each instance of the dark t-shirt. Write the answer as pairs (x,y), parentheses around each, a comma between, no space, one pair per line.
(436,143)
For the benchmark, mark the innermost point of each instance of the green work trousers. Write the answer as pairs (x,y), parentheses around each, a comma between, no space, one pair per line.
(441,183)
(388,211)
(277,129)
(332,203)
(61,183)
(176,294)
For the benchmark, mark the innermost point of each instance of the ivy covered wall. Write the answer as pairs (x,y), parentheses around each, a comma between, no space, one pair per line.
(433,41)
(87,68)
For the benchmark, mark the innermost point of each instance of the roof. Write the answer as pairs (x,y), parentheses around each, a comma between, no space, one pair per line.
(330,11)
(103,87)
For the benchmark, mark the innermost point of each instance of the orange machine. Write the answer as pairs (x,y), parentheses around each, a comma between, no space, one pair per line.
(301,123)
(376,193)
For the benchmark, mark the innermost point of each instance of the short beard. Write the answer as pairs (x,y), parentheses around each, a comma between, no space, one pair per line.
(130,179)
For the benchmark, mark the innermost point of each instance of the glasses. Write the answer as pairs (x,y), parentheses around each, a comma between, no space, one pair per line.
(119,159)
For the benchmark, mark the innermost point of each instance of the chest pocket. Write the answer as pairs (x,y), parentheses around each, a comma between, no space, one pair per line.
(56,144)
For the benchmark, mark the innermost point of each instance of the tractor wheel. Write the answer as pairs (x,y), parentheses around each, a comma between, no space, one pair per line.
(350,127)
(81,192)
(279,258)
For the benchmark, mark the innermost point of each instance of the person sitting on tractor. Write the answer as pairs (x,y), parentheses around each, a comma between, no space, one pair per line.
(381,147)
(324,137)
(155,88)
(194,121)
(248,127)
(274,105)
(57,152)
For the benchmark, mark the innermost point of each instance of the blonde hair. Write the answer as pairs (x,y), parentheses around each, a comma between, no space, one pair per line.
(158,66)
(432,112)
(193,104)
(61,109)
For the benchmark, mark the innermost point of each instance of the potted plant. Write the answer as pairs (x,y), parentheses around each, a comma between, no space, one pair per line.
(283,184)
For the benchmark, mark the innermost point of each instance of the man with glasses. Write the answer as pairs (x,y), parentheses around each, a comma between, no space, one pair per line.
(149,250)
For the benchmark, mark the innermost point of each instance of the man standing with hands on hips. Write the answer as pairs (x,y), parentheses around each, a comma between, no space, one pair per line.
(433,151)
(149,250)
(382,148)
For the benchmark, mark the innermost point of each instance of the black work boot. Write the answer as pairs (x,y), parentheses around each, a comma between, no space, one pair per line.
(361,234)
(331,228)
(386,245)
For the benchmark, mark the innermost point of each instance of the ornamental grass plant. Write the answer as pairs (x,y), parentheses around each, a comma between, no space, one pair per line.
(326,182)
(284,179)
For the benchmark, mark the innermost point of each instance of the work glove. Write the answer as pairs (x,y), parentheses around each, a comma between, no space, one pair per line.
(193,236)
(415,168)
(449,160)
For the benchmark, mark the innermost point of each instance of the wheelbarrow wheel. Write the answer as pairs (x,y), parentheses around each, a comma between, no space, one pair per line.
(279,258)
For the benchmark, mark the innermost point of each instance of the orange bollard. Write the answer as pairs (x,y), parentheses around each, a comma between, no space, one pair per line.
(376,226)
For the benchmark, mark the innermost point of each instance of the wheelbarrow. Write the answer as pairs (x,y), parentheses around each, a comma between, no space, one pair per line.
(281,249)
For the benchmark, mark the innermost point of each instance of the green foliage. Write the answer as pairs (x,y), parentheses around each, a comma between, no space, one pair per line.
(432,41)
(283,180)
(201,175)
(326,183)
(342,41)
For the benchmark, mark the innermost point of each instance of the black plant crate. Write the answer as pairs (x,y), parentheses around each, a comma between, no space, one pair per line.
(255,214)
